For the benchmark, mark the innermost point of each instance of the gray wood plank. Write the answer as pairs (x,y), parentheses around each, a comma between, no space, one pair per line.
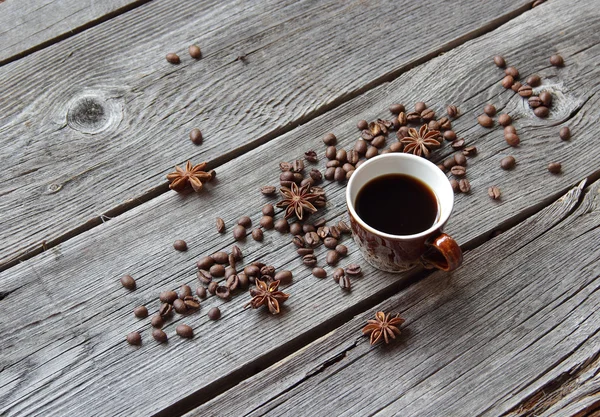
(520,314)
(66,167)
(58,356)
(29,24)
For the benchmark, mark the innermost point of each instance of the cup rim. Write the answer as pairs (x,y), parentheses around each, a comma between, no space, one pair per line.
(437,225)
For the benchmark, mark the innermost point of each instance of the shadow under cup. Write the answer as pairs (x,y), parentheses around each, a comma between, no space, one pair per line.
(397,253)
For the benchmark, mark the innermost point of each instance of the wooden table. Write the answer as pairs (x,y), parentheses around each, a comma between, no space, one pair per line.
(92,117)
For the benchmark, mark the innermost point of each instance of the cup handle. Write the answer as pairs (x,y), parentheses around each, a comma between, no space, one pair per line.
(442,253)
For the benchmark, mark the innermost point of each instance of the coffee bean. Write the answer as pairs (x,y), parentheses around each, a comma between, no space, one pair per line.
(298,241)
(159,335)
(557,60)
(323,232)
(485,121)
(196,136)
(342,250)
(403,118)
(329,139)
(449,163)
(442,168)
(490,110)
(512,139)
(445,123)
(185,291)
(344,283)
(282,226)
(546,98)
(257,234)
(452,111)
(309,260)
(341,156)
(236,252)
(533,80)
(165,310)
(555,167)
(307,181)
(460,159)
(367,135)
(332,257)
(402,132)
(565,133)
(427,115)
(464,185)
(295,228)
(304,251)
(173,58)
(515,87)
(214,313)
(458,144)
(184,331)
(507,82)
(330,242)
(168,297)
(413,117)
(222,292)
(285,166)
(243,280)
(512,71)
(508,162)
(333,164)
(212,287)
(157,321)
(266,222)
(525,91)
(396,108)
(541,111)
(469,151)
(286,177)
(319,272)
(179,306)
(504,119)
(371,152)
(420,106)
(331,152)
(217,270)
(239,232)
(455,186)
(499,61)
(298,166)
(134,338)
(298,177)
(220,257)
(338,273)
(312,239)
(195,52)
(252,271)
(128,282)
(201,292)
(311,156)
(449,135)
(316,175)
(362,125)
(204,276)
(396,147)
(494,192)
(220,225)
(307,228)
(343,227)
(140,312)
(339,174)
(535,101)
(434,125)
(378,142)
(458,171)
(267,190)
(284,276)
(360,147)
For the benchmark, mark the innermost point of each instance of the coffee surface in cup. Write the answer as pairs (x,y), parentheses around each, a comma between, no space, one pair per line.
(397,204)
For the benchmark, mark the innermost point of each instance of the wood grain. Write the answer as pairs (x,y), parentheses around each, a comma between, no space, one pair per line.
(59,355)
(28,25)
(92,124)
(520,314)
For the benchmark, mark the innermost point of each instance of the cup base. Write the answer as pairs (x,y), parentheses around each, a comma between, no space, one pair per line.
(388,268)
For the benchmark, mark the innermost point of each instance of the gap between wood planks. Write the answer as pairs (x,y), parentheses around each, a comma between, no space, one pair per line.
(220,386)
(162,188)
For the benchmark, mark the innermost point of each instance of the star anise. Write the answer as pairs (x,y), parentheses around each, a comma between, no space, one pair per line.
(383,326)
(421,142)
(297,200)
(267,294)
(191,175)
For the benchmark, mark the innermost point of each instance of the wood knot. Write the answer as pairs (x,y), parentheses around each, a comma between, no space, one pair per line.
(93,113)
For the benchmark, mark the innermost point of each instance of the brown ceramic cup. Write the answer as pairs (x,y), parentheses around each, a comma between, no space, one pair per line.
(397,253)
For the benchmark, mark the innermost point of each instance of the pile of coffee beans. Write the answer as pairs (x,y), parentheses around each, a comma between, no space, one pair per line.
(193,50)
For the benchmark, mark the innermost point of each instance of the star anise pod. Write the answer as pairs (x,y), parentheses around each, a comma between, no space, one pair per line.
(297,200)
(267,294)
(421,142)
(383,326)
(191,175)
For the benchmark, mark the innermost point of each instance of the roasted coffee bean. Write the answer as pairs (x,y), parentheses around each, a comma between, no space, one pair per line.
(168,296)
(184,331)
(469,151)
(512,71)
(348,175)
(464,185)
(243,280)
(427,115)
(201,292)
(220,225)
(217,270)
(236,252)
(362,125)
(396,147)
(298,166)
(507,82)
(204,276)
(449,135)
(316,175)
(329,139)
(413,117)
(458,171)
(286,176)
(312,239)
(319,272)
(330,242)
(191,303)
(333,164)
(359,163)
(352,156)
(222,292)
(252,271)
(319,223)
(515,87)
(490,110)
(360,147)
(298,241)
(140,312)
(173,58)
(282,226)
(267,270)
(339,174)
(165,310)
(565,133)
(442,168)
(445,123)
(257,234)
(306,181)
(494,192)
(504,119)
(452,111)
(341,156)
(402,132)
(338,273)
(323,232)
(304,251)
(535,101)
(285,277)
(458,144)
(266,222)
(434,125)
(157,321)
(402,119)
(331,152)
(485,121)
(128,282)
(311,156)
(185,291)
(533,80)
(367,135)
(396,108)
(499,61)
(295,228)
(342,250)
(420,106)
(307,228)
(557,60)
(332,257)
(512,139)
(460,159)
(334,232)
(214,313)
(159,335)
(371,152)
(541,111)
(179,306)
(344,283)
(342,227)
(455,186)
(196,136)
(268,210)
(448,163)
(195,52)
(134,338)
(546,98)
(220,257)
(212,287)
(378,141)
(239,232)
(268,190)
(555,167)
(508,162)
(525,91)
(205,262)
(309,260)
(298,177)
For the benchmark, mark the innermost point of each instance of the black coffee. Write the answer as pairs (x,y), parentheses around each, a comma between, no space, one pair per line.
(397,204)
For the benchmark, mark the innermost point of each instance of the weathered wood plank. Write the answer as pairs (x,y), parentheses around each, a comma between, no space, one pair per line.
(58,356)
(96,121)
(521,313)
(27,24)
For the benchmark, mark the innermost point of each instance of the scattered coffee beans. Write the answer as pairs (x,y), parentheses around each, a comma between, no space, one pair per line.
(515,87)
(534,80)
(267,222)
(338,273)
(512,71)
(449,135)
(220,257)
(284,276)
(128,282)
(499,61)
(165,310)
(508,162)
(507,82)
(452,111)
(504,119)
(525,91)
(309,260)
(214,313)
(267,190)
(140,312)
(157,321)
(541,111)
(196,136)
(201,292)
(342,250)
(239,232)
(173,58)
(319,272)
(546,98)
(180,245)
(555,167)
(490,110)
(534,101)
(396,108)
(329,139)
(217,270)
(184,331)
(257,234)
(168,296)
(485,121)
(185,291)
(353,270)
(134,338)
(222,292)
(344,283)
(557,60)
(494,192)
(179,306)
(512,139)
(159,335)
(464,185)
(282,226)
(565,133)
(458,171)
(469,151)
